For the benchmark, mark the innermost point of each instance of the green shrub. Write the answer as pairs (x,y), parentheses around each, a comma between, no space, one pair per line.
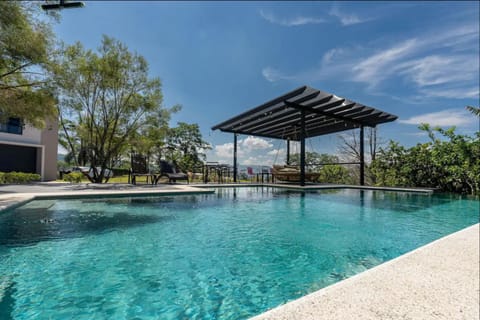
(18,177)
(335,174)
(73,177)
(451,164)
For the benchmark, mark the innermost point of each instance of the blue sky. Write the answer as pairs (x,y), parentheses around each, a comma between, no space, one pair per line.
(418,60)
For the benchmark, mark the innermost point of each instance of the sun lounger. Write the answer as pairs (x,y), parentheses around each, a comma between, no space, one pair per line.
(173,174)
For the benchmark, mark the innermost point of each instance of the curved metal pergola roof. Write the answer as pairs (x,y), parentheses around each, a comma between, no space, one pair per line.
(323,112)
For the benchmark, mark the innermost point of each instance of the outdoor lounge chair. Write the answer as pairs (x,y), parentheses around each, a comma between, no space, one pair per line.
(173,174)
(88,172)
(139,167)
(292,174)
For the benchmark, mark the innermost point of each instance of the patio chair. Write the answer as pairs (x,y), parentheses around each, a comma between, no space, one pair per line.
(139,168)
(173,174)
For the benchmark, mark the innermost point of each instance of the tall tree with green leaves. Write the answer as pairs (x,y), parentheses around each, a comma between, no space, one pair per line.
(151,138)
(185,145)
(25,46)
(106,96)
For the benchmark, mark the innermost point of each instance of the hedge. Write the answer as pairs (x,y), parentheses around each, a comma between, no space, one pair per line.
(18,177)
(73,177)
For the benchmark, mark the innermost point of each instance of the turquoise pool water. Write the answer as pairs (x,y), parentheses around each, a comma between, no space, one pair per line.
(228,255)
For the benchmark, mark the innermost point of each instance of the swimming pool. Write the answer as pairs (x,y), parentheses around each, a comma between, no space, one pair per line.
(227,255)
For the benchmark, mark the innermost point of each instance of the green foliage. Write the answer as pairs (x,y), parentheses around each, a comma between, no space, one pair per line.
(73,177)
(107,96)
(18,177)
(150,139)
(331,173)
(451,165)
(184,146)
(335,174)
(474,110)
(26,42)
(313,159)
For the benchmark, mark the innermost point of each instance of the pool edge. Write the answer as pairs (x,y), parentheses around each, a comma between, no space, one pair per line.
(15,200)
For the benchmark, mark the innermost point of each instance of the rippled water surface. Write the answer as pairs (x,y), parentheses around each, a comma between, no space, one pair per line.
(228,255)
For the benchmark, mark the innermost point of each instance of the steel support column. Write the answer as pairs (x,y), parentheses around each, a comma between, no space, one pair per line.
(288,152)
(234,157)
(362,157)
(302,148)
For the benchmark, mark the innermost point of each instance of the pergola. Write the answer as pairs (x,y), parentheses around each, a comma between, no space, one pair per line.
(304,113)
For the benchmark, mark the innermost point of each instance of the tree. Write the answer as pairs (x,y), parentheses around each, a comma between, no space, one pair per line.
(105,97)
(350,149)
(185,145)
(25,44)
(313,159)
(150,139)
(324,164)
(449,164)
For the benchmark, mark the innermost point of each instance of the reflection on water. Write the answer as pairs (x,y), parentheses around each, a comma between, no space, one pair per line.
(7,302)
(28,226)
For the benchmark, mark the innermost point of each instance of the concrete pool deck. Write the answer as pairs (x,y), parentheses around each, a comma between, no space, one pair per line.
(437,281)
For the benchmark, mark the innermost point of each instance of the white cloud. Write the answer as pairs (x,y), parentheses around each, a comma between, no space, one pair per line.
(224,150)
(436,69)
(347,19)
(290,22)
(440,64)
(259,160)
(415,61)
(277,152)
(251,150)
(382,64)
(444,118)
(273,75)
(331,55)
(454,93)
(255,143)
(251,161)
(416,134)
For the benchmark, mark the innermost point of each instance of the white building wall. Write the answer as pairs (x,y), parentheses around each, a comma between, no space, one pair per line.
(46,142)
(30,135)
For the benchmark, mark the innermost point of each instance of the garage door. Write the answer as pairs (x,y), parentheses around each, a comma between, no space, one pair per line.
(18,158)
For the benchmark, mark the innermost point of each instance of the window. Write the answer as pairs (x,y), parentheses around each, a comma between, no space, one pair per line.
(12,125)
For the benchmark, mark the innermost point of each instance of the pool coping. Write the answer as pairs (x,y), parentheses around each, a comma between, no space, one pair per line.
(317,187)
(14,200)
(439,280)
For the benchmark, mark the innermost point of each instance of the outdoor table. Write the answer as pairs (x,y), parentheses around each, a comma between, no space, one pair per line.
(263,174)
(221,171)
